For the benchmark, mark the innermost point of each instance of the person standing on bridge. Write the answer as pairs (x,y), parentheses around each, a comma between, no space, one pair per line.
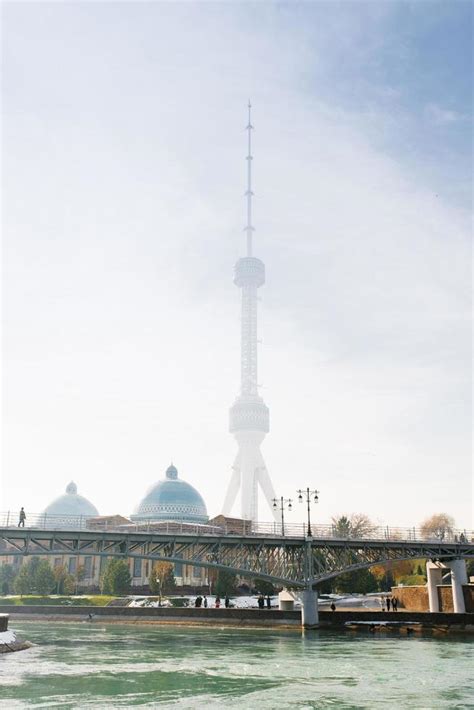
(395,604)
(217,602)
(388,604)
(21,522)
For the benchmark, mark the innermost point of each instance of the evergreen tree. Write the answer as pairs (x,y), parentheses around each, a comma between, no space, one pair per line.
(358,525)
(264,587)
(116,578)
(26,579)
(23,581)
(169,582)
(44,580)
(7,578)
(360,581)
(225,584)
(62,579)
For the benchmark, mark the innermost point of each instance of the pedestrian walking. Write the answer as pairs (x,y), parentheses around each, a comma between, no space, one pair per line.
(388,604)
(227,602)
(395,604)
(333,607)
(382,603)
(261,601)
(269,602)
(205,602)
(217,603)
(21,522)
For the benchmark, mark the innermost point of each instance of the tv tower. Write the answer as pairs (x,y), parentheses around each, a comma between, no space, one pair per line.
(249,415)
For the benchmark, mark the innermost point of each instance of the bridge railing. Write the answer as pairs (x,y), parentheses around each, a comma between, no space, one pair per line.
(11,519)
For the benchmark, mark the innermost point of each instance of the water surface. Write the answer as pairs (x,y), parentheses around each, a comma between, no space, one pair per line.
(89,665)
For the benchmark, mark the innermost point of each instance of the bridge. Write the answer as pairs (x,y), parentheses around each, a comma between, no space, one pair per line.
(293,561)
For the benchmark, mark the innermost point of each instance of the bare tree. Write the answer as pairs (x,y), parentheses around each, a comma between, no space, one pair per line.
(358,525)
(439,525)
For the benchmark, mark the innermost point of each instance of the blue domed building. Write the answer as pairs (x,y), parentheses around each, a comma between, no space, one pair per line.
(171,499)
(69,509)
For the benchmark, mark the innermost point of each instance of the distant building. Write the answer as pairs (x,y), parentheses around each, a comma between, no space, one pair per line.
(69,510)
(171,505)
(106,522)
(174,506)
(171,499)
(231,526)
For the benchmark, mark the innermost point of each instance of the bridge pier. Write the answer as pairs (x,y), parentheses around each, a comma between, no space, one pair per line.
(458,578)
(309,609)
(434,575)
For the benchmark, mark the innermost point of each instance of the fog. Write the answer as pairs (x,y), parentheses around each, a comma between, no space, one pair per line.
(123,157)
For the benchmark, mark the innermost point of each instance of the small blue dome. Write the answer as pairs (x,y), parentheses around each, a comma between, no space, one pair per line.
(70,507)
(172,499)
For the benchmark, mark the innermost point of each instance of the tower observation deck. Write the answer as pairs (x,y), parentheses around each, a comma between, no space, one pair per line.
(249,419)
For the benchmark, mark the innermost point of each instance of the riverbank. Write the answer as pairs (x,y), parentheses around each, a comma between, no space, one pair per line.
(257,618)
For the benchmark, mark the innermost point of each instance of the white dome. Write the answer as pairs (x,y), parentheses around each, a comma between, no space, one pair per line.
(69,510)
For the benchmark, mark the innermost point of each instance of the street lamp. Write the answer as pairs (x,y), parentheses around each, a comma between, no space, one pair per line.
(311,497)
(283,502)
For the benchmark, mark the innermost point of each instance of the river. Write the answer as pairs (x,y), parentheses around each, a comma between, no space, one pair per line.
(89,665)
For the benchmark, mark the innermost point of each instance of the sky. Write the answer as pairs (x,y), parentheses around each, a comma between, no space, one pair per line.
(123,173)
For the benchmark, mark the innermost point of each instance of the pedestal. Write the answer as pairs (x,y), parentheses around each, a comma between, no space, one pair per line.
(309,609)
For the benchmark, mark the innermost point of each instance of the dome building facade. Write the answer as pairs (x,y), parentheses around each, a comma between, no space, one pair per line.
(69,510)
(171,499)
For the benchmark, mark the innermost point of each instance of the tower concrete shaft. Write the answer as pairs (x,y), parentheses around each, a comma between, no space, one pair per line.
(249,415)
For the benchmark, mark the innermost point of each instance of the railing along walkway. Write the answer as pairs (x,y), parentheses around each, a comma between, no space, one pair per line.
(237,527)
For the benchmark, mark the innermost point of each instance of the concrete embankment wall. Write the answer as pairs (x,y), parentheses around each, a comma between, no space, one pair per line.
(416,598)
(254,617)
(231,617)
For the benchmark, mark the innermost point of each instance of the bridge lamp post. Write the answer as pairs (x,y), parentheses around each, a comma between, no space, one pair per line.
(311,497)
(284,502)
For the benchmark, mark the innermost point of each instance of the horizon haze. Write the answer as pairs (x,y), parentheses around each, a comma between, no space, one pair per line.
(123,158)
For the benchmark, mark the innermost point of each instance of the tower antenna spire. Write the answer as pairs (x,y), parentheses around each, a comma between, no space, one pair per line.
(249,418)
(249,194)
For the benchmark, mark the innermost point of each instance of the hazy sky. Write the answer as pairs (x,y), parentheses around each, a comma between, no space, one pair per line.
(123,177)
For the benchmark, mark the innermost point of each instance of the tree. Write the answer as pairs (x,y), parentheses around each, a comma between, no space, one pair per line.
(341,526)
(384,576)
(358,525)
(360,581)
(161,579)
(22,584)
(64,582)
(44,580)
(264,587)
(7,577)
(225,584)
(116,578)
(79,576)
(32,577)
(439,525)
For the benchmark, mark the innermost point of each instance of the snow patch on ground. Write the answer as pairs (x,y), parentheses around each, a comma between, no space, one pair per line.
(7,637)
(144,602)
